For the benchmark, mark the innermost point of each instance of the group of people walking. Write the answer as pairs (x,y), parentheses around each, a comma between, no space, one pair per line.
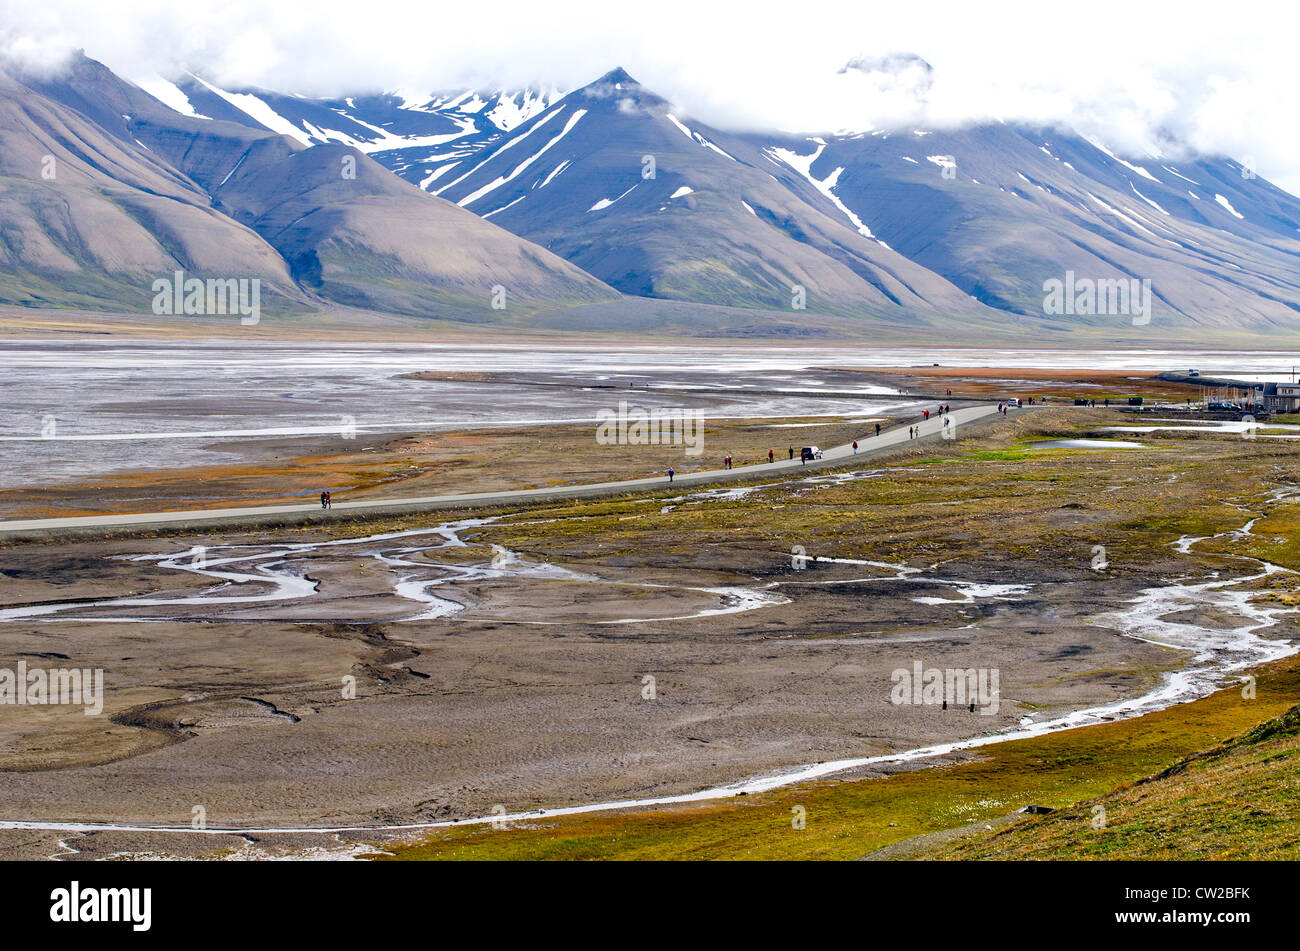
(941,410)
(913,432)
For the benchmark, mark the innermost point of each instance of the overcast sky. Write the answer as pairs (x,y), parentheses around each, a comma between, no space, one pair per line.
(1220,77)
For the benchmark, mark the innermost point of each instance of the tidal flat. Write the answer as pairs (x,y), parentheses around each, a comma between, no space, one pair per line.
(500,659)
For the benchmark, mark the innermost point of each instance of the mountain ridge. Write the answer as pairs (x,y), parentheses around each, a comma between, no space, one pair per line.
(607,194)
(344,229)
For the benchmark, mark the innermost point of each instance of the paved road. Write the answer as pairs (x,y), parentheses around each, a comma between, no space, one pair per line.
(931,429)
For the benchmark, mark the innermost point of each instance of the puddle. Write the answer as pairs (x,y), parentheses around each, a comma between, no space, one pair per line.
(1088,444)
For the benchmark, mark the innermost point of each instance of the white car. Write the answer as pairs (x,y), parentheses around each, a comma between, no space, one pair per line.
(810,452)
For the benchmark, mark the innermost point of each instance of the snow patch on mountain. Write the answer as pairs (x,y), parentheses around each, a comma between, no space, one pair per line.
(606,202)
(697,138)
(514,109)
(504,207)
(1183,177)
(510,144)
(1146,199)
(259,112)
(501,180)
(1129,165)
(555,171)
(1122,216)
(170,95)
(1228,205)
(436,174)
(386,141)
(803,165)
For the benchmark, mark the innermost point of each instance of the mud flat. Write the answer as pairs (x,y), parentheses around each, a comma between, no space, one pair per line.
(502,663)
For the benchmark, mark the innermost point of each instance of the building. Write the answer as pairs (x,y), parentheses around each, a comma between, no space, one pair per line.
(1282,397)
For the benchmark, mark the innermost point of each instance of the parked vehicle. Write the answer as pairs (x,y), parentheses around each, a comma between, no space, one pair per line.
(1014,401)
(810,452)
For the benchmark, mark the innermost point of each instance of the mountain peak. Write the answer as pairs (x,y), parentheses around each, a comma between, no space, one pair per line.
(618,87)
(616,76)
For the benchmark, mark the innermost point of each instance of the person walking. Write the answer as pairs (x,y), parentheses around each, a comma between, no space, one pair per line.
(792,452)
(855,447)
(877,429)
(771,456)
(671,473)
(324,499)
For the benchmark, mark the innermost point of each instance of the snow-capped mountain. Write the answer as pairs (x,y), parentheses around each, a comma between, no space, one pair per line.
(322,223)
(414,134)
(613,179)
(995,211)
(929,229)
(959,218)
(1000,209)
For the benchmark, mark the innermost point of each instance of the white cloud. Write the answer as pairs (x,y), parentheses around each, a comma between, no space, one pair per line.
(1219,78)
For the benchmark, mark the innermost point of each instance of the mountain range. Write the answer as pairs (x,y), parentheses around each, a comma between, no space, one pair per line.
(605,207)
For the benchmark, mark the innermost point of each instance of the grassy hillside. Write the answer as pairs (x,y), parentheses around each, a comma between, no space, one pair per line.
(1239,800)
